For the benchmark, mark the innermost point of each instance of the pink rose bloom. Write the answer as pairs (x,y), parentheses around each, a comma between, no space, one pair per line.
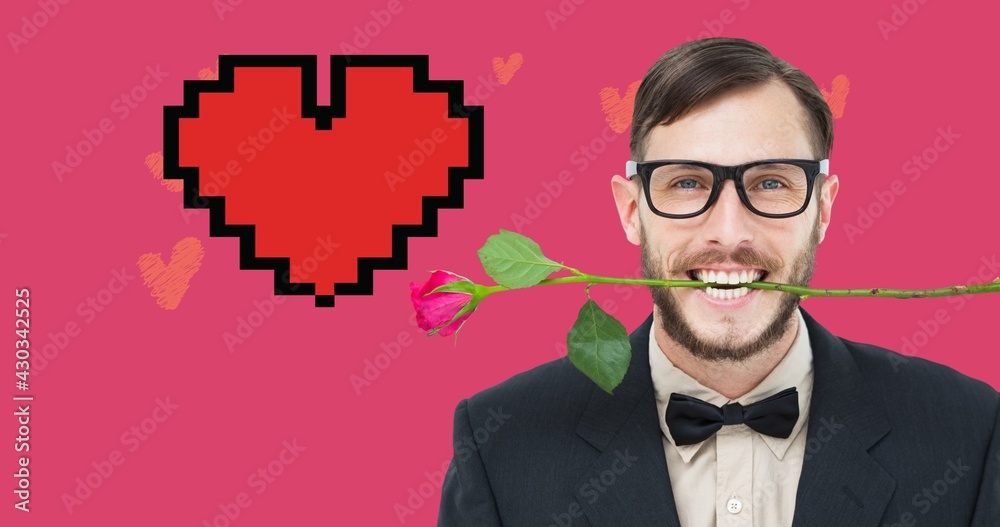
(436,309)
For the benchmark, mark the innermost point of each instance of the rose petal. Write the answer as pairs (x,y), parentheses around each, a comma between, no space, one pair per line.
(436,309)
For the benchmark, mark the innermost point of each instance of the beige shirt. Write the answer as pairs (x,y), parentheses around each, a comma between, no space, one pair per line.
(737,477)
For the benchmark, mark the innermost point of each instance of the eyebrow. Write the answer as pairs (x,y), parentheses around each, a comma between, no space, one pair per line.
(772,165)
(686,165)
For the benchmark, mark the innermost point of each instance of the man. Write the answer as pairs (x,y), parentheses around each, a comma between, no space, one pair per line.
(738,408)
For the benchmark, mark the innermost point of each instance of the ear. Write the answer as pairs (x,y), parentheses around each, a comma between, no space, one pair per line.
(626,195)
(829,193)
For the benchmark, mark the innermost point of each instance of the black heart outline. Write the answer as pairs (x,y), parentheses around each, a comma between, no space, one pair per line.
(324,116)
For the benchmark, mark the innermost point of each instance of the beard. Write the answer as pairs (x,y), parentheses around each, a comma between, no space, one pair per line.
(728,348)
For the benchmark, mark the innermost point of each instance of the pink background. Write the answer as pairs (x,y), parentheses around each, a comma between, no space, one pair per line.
(365,454)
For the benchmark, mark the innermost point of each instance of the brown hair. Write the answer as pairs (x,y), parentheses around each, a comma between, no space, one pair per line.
(698,71)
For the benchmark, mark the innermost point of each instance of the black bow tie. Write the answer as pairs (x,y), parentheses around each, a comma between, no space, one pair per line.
(692,420)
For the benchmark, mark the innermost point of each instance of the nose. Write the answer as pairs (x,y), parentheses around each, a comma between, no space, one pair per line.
(728,223)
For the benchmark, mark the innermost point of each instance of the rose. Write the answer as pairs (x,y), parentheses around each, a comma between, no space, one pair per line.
(443,312)
(597,344)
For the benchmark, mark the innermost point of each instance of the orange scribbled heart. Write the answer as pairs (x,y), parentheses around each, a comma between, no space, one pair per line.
(207,74)
(154,162)
(505,70)
(618,109)
(168,283)
(837,98)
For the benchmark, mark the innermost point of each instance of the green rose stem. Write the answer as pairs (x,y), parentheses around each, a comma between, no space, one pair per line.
(598,343)
(804,292)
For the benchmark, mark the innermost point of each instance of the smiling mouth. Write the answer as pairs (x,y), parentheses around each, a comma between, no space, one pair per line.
(719,281)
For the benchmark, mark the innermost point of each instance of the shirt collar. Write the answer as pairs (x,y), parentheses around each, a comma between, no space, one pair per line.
(794,369)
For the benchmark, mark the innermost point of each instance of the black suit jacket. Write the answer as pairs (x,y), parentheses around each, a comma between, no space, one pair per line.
(892,440)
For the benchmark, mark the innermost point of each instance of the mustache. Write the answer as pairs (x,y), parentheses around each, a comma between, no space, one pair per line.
(744,257)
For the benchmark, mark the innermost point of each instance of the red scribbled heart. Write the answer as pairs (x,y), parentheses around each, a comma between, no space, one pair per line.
(618,109)
(836,99)
(323,195)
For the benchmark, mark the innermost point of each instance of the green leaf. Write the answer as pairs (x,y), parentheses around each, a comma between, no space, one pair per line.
(458,286)
(515,261)
(598,346)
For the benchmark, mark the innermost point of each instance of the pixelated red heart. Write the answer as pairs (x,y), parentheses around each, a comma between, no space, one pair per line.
(323,195)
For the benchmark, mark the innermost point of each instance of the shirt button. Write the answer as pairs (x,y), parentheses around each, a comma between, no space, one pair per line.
(734,506)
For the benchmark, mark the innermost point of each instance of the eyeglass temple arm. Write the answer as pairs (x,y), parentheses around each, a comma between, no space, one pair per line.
(631,168)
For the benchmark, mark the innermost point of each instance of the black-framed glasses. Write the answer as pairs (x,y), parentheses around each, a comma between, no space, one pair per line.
(773,188)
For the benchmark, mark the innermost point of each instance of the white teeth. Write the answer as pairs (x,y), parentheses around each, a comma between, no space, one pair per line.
(732,277)
(727,294)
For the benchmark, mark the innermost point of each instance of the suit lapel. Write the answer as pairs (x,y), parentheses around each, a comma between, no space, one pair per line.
(628,484)
(840,484)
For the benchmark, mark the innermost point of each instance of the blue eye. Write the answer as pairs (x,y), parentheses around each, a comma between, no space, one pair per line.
(766,187)
(682,182)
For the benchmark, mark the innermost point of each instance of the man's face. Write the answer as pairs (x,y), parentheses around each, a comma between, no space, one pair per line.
(750,124)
